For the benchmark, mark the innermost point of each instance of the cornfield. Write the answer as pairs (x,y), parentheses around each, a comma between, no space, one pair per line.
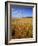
(21,28)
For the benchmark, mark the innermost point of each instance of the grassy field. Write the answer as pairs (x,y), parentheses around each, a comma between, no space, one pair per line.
(21,28)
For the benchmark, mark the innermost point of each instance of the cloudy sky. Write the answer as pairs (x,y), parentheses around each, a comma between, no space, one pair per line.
(21,11)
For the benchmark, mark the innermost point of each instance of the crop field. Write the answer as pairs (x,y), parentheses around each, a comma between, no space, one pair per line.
(21,28)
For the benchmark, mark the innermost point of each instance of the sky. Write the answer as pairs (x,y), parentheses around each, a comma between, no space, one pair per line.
(21,11)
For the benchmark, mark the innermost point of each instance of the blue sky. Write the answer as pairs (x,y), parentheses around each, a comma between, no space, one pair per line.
(21,11)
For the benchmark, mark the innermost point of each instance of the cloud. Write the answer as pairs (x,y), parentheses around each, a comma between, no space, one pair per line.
(21,12)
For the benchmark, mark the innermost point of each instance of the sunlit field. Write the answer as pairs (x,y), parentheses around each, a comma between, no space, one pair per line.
(21,28)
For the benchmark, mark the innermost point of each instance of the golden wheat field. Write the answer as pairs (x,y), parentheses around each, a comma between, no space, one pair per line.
(21,28)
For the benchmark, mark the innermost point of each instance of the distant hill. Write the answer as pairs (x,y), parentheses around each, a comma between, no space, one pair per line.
(20,17)
(26,17)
